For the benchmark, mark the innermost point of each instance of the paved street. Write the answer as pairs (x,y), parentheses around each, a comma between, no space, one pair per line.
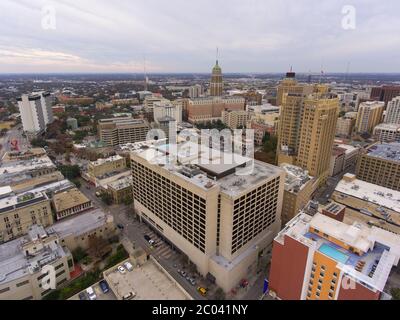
(135,231)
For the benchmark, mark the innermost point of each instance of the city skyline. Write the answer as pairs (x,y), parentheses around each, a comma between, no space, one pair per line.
(256,36)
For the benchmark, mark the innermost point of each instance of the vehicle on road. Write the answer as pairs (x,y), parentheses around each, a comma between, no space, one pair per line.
(83,296)
(151,242)
(129,296)
(98,194)
(120,226)
(90,292)
(192,282)
(183,273)
(147,238)
(104,286)
(128,266)
(121,270)
(202,291)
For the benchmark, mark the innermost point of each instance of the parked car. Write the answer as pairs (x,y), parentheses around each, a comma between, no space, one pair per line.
(83,296)
(104,286)
(128,266)
(90,292)
(129,296)
(121,269)
(151,242)
(183,273)
(192,282)
(120,226)
(147,238)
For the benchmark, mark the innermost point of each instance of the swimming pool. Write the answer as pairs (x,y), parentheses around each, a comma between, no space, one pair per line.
(333,253)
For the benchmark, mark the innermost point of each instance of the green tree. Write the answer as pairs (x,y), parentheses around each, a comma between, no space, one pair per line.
(395,292)
(78,254)
(71,172)
(219,294)
(106,198)
(38,143)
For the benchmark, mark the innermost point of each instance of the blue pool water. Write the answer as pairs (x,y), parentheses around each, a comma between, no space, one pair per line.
(333,253)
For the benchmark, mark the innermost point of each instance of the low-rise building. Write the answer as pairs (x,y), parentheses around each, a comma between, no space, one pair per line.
(235,119)
(101,167)
(25,264)
(369,199)
(337,161)
(19,212)
(369,116)
(387,132)
(120,190)
(320,258)
(345,126)
(70,202)
(299,188)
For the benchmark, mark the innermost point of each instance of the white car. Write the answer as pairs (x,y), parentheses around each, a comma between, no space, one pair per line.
(128,266)
(90,292)
(151,242)
(121,269)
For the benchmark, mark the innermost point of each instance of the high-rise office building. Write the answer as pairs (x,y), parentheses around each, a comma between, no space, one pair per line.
(307,126)
(216,84)
(369,116)
(196,91)
(36,112)
(321,258)
(393,111)
(221,216)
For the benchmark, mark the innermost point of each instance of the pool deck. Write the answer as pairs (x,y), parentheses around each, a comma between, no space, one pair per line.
(369,258)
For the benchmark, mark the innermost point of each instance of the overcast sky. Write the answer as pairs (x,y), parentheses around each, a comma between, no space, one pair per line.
(182,36)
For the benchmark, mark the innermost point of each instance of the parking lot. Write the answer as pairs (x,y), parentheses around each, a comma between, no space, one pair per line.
(145,282)
(99,294)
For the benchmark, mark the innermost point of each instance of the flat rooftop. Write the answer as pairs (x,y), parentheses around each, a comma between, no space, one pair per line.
(68,199)
(148,281)
(208,168)
(122,183)
(26,165)
(14,264)
(80,224)
(42,180)
(100,162)
(386,151)
(380,249)
(381,196)
(21,200)
(296,177)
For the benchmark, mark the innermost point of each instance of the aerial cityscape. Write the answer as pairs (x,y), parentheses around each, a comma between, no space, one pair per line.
(203,174)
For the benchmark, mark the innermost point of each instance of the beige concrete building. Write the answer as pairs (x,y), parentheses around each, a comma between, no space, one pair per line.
(235,119)
(317,134)
(70,202)
(369,115)
(103,166)
(25,185)
(210,108)
(222,214)
(24,264)
(387,132)
(120,190)
(19,212)
(289,85)
(380,164)
(116,131)
(345,126)
(299,188)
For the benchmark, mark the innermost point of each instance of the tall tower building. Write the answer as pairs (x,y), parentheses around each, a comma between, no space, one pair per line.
(35,111)
(217,84)
(317,134)
(307,125)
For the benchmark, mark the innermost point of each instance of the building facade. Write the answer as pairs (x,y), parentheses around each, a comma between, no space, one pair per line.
(380,164)
(101,167)
(320,258)
(221,221)
(387,132)
(393,111)
(217,83)
(69,202)
(235,119)
(369,116)
(116,131)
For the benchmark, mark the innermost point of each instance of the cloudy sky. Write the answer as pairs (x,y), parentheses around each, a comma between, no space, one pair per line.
(182,35)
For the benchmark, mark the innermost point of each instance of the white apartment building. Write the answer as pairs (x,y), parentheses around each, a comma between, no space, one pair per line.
(220,214)
(166,110)
(36,111)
